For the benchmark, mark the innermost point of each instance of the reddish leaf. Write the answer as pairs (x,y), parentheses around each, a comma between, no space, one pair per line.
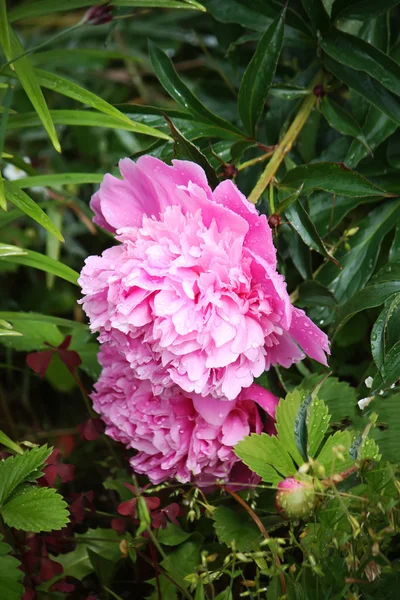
(39,361)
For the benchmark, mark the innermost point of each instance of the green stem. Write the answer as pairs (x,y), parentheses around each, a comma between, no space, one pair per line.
(285,145)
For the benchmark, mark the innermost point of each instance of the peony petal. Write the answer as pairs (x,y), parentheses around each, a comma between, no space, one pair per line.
(313,341)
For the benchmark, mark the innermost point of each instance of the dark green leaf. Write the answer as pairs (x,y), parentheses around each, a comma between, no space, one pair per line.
(286,413)
(175,87)
(358,264)
(339,396)
(361,9)
(258,77)
(317,425)
(385,284)
(363,56)
(298,217)
(35,509)
(317,14)
(343,121)
(377,128)
(394,253)
(387,437)
(368,87)
(312,293)
(390,370)
(172,535)
(105,569)
(330,177)
(379,330)
(187,151)
(236,526)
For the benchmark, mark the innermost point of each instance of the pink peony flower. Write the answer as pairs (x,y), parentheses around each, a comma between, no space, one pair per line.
(191,295)
(176,435)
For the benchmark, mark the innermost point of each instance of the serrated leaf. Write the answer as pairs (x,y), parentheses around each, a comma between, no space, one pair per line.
(14,470)
(379,330)
(387,433)
(327,456)
(265,455)
(10,573)
(300,428)
(300,220)
(258,77)
(318,419)
(187,151)
(342,120)
(35,509)
(236,526)
(286,413)
(28,206)
(175,87)
(339,396)
(331,177)
(185,559)
(30,258)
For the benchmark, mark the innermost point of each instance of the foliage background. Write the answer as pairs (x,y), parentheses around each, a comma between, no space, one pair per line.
(350,50)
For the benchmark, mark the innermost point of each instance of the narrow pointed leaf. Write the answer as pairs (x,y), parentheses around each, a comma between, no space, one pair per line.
(358,54)
(368,87)
(390,370)
(159,4)
(187,151)
(25,73)
(330,177)
(28,206)
(376,129)
(300,220)
(379,330)
(58,180)
(317,14)
(4,31)
(258,77)
(178,90)
(45,7)
(84,118)
(42,262)
(361,10)
(343,121)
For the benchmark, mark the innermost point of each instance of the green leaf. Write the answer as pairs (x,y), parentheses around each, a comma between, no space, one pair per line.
(4,29)
(330,177)
(300,427)
(172,535)
(105,569)
(28,206)
(258,77)
(8,443)
(188,5)
(175,87)
(286,413)
(343,121)
(187,151)
(83,118)
(368,87)
(312,293)
(300,220)
(28,317)
(339,397)
(390,370)
(25,73)
(317,425)
(10,573)
(236,526)
(328,458)
(53,245)
(288,201)
(361,9)
(358,264)
(45,7)
(76,92)
(377,128)
(6,108)
(387,433)
(42,262)
(185,559)
(35,509)
(14,470)
(360,55)
(58,179)
(385,284)
(316,11)
(379,331)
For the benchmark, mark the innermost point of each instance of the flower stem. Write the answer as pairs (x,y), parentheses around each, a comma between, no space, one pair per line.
(285,144)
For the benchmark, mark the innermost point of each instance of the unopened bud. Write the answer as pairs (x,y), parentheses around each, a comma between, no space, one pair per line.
(295,499)
(99,14)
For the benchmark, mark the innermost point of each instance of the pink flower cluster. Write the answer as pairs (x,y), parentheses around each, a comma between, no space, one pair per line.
(191,302)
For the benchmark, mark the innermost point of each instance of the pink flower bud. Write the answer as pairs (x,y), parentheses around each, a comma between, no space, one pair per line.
(295,499)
